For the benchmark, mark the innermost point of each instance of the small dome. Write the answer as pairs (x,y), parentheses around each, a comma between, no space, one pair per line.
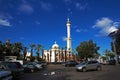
(55,46)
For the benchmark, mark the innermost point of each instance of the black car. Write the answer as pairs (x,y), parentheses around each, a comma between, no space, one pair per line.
(43,63)
(32,67)
(112,62)
(70,63)
(15,67)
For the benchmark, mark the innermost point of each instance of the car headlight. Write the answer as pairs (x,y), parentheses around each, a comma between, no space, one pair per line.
(79,67)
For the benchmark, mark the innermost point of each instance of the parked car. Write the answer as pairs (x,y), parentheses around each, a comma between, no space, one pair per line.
(105,62)
(70,63)
(17,72)
(5,75)
(43,63)
(112,62)
(32,67)
(88,65)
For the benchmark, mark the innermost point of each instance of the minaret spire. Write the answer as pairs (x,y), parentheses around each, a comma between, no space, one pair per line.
(68,20)
(69,45)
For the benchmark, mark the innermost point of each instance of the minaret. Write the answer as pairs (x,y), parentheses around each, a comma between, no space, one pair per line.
(69,44)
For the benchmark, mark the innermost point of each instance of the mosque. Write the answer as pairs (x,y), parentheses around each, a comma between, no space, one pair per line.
(55,54)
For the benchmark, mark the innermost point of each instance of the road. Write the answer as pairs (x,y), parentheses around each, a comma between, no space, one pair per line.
(59,72)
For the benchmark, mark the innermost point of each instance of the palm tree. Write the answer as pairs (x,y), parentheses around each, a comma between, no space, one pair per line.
(16,49)
(1,51)
(24,53)
(62,55)
(42,52)
(39,47)
(1,46)
(109,54)
(7,48)
(50,55)
(32,46)
(65,54)
(55,54)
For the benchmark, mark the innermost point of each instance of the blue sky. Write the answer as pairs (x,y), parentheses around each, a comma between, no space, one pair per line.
(44,21)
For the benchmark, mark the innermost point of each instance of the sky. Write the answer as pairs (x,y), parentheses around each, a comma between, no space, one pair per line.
(44,21)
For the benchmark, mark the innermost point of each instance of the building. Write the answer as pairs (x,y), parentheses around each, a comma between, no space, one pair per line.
(55,54)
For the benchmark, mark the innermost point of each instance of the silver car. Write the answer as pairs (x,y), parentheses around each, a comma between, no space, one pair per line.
(88,65)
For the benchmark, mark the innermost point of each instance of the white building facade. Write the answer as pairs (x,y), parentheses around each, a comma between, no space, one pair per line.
(55,54)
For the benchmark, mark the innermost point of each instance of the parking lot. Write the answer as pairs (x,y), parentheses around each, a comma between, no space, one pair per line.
(59,72)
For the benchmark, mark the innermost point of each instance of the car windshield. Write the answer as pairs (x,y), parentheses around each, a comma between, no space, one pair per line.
(10,65)
(18,65)
(39,62)
(83,63)
(32,63)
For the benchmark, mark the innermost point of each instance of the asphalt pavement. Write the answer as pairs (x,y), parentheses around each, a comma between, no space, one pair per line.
(59,72)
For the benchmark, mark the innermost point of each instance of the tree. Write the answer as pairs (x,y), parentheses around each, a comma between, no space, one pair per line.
(87,49)
(1,51)
(10,49)
(32,46)
(62,55)
(65,48)
(39,47)
(7,48)
(24,53)
(16,48)
(1,47)
(109,54)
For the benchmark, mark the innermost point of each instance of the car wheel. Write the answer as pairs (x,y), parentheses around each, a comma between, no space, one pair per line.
(84,70)
(99,68)
(66,65)
(32,70)
(77,70)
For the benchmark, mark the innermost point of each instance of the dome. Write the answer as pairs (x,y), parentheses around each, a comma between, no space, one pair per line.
(55,46)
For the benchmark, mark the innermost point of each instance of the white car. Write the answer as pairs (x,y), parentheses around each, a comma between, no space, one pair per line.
(5,75)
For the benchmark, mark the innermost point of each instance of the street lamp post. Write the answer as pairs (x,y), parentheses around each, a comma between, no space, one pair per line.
(113,35)
(114,48)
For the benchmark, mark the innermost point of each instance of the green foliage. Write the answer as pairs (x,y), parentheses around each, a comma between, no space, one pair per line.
(24,53)
(32,59)
(87,49)
(10,49)
(32,46)
(109,54)
(104,58)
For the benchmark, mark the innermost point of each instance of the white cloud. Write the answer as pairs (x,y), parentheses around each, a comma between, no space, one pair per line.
(6,16)
(64,38)
(46,6)
(81,6)
(37,22)
(103,22)
(26,8)
(67,1)
(78,30)
(81,30)
(106,25)
(22,38)
(4,22)
(69,11)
